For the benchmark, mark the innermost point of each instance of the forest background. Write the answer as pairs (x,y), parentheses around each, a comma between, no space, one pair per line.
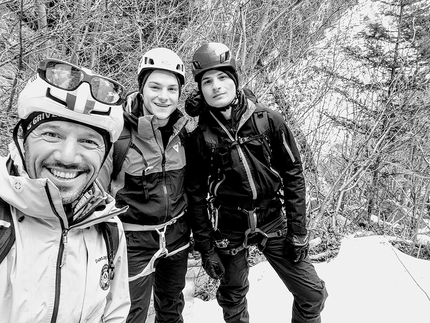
(351,77)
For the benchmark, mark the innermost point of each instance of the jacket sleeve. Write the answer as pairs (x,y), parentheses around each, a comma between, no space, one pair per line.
(287,160)
(118,299)
(197,170)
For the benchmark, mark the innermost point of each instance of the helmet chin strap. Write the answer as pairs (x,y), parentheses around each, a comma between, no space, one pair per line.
(17,144)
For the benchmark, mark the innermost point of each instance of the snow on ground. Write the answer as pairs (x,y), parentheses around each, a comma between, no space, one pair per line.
(369,281)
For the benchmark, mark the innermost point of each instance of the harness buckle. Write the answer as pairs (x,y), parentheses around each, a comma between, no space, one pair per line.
(242,140)
(252,219)
(222,244)
(162,241)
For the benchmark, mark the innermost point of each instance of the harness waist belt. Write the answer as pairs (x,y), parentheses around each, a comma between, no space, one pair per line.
(238,203)
(162,251)
(150,227)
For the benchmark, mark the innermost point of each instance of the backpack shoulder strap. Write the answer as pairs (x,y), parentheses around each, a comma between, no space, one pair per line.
(261,119)
(261,123)
(7,231)
(111,235)
(120,149)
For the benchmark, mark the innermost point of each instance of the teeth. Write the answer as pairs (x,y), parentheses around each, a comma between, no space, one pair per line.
(64,174)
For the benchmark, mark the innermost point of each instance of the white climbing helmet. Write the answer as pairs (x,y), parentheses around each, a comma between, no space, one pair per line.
(163,59)
(66,90)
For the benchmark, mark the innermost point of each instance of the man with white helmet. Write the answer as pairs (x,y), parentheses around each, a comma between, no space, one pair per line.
(63,251)
(149,179)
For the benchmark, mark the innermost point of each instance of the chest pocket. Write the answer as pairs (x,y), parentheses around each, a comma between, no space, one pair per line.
(135,190)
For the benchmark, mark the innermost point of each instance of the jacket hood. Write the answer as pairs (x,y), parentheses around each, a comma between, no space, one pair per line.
(40,198)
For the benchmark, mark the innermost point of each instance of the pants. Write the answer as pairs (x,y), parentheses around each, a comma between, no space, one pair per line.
(300,278)
(166,283)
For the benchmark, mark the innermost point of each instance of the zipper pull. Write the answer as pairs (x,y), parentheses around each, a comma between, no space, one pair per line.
(64,237)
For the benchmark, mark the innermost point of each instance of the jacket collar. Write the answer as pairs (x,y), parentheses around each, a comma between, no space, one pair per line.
(40,198)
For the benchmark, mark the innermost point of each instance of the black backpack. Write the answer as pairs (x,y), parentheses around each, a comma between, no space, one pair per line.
(120,149)
(7,236)
(7,232)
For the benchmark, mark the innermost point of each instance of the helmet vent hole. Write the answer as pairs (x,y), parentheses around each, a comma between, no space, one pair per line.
(180,67)
(224,57)
(149,61)
(197,65)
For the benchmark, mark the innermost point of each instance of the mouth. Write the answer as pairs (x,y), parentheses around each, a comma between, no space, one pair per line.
(64,175)
(218,95)
(162,105)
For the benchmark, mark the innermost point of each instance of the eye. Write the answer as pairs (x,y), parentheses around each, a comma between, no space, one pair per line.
(206,82)
(51,136)
(91,144)
(154,87)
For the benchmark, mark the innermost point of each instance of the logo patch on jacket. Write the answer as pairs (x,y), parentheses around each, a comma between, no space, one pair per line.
(104,278)
(176,147)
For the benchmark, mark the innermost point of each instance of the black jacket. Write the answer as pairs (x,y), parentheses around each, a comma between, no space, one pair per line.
(241,172)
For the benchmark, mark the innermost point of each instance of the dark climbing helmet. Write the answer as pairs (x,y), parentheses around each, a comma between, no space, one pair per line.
(212,56)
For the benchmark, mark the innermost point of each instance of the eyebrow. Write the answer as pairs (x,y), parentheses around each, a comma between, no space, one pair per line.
(48,125)
(158,83)
(216,75)
(89,132)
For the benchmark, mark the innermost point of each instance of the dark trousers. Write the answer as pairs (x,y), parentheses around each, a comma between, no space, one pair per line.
(167,283)
(300,278)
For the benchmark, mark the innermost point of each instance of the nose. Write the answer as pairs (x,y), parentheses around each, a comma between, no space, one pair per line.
(68,152)
(163,95)
(216,85)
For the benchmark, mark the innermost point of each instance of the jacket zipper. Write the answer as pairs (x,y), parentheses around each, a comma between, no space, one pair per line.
(63,240)
(166,196)
(60,256)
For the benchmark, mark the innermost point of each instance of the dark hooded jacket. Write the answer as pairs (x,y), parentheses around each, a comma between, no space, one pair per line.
(222,159)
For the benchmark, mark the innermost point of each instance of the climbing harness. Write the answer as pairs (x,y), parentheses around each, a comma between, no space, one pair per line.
(223,243)
(162,251)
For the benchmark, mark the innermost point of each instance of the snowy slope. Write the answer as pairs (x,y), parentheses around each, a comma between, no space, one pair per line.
(369,281)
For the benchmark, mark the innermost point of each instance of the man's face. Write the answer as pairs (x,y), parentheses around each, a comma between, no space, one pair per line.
(67,153)
(161,94)
(218,89)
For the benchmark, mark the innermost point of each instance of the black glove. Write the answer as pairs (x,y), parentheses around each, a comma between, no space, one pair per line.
(212,264)
(297,247)
(195,104)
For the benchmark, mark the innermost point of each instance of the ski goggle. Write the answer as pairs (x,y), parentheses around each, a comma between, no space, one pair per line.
(69,77)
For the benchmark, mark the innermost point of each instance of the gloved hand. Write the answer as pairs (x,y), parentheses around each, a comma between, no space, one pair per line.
(297,246)
(195,104)
(212,264)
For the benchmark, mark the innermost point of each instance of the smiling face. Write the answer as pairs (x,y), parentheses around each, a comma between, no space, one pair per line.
(218,89)
(67,153)
(161,94)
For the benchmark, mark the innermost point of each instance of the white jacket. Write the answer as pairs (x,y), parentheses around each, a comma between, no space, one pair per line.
(56,272)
